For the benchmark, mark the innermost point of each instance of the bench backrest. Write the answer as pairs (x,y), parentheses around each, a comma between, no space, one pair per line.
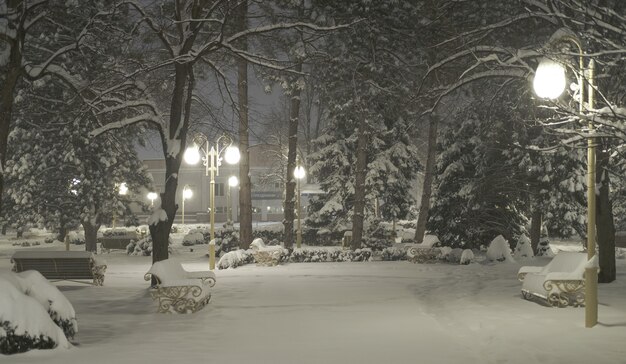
(168,270)
(55,264)
(570,262)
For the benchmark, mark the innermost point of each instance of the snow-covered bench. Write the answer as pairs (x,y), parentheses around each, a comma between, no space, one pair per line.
(424,252)
(178,290)
(265,255)
(61,265)
(561,282)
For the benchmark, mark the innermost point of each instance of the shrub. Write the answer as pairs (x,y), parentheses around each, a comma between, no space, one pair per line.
(235,258)
(143,247)
(393,253)
(24,323)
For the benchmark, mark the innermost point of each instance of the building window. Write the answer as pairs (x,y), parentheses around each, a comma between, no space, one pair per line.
(219,189)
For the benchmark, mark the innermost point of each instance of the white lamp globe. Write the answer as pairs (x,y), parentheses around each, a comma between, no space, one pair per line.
(187,193)
(549,81)
(123,189)
(299,172)
(192,155)
(233,181)
(232,155)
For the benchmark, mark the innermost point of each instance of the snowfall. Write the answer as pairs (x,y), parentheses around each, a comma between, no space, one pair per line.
(348,312)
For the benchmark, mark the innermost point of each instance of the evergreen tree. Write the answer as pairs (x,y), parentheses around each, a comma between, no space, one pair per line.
(365,151)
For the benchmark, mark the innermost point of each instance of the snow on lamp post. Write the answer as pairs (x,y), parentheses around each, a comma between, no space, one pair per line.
(211,161)
(187,194)
(233,181)
(299,173)
(549,83)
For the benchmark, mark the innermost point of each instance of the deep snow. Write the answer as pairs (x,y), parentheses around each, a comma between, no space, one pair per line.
(372,312)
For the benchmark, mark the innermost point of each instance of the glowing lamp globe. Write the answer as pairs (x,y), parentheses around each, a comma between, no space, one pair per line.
(233,181)
(232,155)
(123,189)
(192,155)
(299,172)
(152,196)
(187,193)
(549,81)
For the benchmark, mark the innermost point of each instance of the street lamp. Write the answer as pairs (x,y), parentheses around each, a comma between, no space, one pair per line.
(233,181)
(211,161)
(123,191)
(152,196)
(549,83)
(299,173)
(187,194)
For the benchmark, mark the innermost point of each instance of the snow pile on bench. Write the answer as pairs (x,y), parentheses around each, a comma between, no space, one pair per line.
(178,290)
(560,282)
(266,255)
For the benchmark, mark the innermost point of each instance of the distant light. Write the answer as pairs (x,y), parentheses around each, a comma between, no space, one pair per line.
(299,172)
(192,154)
(152,196)
(233,181)
(549,81)
(232,155)
(187,193)
(269,208)
(123,189)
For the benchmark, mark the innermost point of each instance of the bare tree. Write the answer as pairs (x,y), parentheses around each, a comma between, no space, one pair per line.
(187,36)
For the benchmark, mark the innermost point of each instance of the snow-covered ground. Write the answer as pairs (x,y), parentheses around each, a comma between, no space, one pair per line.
(372,312)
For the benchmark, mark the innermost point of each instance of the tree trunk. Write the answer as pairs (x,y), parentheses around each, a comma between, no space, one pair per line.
(245,191)
(422,218)
(91,236)
(605,226)
(359,186)
(535,228)
(180,109)
(292,152)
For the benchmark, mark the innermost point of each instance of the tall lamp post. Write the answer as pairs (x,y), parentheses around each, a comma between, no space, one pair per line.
(233,181)
(549,82)
(211,160)
(299,173)
(187,194)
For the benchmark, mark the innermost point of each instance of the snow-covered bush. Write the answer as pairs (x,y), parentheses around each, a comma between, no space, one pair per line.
(235,258)
(310,254)
(467,257)
(499,250)
(227,239)
(378,236)
(61,311)
(393,253)
(76,238)
(523,249)
(24,323)
(143,246)
(48,240)
(268,234)
(194,237)
(543,248)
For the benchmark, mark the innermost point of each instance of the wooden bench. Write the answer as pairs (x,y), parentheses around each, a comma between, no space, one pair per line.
(561,282)
(113,242)
(61,265)
(265,255)
(178,290)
